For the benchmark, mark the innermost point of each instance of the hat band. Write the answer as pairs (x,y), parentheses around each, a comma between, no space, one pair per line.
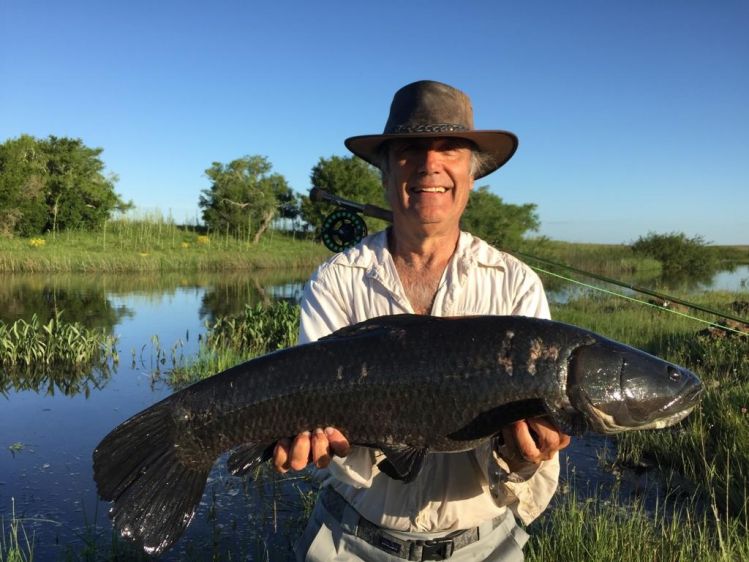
(433,128)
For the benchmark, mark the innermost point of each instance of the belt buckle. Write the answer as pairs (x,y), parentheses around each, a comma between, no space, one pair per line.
(437,549)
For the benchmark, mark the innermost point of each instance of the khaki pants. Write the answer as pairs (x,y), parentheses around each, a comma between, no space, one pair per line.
(328,539)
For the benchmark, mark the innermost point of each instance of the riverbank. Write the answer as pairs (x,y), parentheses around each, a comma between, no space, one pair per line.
(139,247)
(155,245)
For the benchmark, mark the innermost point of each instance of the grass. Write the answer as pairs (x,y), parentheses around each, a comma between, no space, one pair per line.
(604,529)
(154,244)
(53,355)
(233,339)
(15,544)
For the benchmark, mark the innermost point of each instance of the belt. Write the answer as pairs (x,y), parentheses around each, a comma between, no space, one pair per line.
(440,548)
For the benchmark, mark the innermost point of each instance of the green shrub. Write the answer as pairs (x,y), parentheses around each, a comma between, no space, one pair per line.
(677,252)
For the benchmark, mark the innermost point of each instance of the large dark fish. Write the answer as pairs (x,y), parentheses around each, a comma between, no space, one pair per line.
(404,384)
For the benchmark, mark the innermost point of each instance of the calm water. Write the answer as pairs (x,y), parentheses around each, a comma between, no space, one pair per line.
(47,437)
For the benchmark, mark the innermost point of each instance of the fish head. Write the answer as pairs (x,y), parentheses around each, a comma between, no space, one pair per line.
(619,388)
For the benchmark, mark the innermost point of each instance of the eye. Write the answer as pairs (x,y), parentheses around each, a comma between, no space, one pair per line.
(674,375)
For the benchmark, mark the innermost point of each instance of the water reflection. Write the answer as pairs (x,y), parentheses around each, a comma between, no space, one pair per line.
(82,299)
(734,279)
(103,302)
(49,382)
(89,299)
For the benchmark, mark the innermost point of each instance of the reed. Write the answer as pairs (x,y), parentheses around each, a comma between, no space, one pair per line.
(154,244)
(59,354)
(603,528)
(15,544)
(230,340)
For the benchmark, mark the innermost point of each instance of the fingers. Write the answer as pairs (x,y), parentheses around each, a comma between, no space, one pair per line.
(300,451)
(534,440)
(338,443)
(549,439)
(320,449)
(317,447)
(281,456)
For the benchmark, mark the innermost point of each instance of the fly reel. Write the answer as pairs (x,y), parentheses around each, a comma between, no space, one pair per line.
(342,229)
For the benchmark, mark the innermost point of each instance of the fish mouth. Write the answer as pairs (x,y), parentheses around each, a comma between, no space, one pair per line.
(606,424)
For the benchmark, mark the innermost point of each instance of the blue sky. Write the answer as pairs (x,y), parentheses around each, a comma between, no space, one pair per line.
(632,116)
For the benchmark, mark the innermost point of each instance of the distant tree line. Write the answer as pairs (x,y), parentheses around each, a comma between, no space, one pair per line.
(58,183)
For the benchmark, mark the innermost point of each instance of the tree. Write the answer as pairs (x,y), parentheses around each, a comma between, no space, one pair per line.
(348,177)
(502,225)
(245,197)
(677,252)
(78,193)
(53,184)
(23,177)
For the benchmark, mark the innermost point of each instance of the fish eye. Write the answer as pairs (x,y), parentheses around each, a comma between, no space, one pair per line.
(674,375)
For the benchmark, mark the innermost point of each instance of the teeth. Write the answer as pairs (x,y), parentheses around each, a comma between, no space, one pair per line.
(430,189)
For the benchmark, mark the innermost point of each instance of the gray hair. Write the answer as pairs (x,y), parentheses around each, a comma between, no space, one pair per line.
(480,161)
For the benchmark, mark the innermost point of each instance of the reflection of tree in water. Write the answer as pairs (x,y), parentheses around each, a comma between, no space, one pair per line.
(50,381)
(228,295)
(80,299)
(687,281)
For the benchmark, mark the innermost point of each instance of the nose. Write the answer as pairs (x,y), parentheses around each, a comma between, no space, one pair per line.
(430,161)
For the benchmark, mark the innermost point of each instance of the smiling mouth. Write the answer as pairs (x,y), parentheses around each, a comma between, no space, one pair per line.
(429,189)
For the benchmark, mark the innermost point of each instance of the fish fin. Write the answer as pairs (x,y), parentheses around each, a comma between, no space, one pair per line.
(402,463)
(490,422)
(154,494)
(246,457)
(393,324)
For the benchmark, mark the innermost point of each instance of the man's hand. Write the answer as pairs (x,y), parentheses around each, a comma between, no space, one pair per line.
(307,447)
(532,440)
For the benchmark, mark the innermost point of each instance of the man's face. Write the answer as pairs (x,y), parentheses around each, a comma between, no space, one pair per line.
(429,181)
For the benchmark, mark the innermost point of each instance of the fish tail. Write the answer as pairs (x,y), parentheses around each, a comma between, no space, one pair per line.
(154,493)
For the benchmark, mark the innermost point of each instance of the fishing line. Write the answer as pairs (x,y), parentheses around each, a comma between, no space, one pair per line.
(642,290)
(633,299)
(351,207)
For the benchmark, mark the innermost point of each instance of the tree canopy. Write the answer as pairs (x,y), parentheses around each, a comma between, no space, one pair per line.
(53,184)
(502,225)
(245,197)
(676,251)
(348,177)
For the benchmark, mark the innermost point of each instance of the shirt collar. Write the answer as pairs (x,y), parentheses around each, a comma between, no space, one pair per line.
(373,254)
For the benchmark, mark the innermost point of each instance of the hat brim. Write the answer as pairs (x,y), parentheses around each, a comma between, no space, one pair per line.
(500,145)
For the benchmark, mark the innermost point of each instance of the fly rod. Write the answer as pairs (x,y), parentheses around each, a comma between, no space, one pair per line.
(348,228)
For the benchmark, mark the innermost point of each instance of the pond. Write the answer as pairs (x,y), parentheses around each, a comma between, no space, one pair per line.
(47,434)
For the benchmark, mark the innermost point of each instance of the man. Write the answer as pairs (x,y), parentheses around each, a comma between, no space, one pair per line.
(461,505)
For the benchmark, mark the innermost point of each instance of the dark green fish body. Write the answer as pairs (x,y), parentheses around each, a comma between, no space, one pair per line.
(404,384)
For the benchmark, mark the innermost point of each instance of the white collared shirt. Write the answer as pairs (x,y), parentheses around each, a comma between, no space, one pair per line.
(452,490)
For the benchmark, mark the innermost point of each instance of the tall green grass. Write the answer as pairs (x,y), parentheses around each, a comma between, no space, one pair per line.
(15,544)
(231,340)
(53,355)
(603,528)
(155,244)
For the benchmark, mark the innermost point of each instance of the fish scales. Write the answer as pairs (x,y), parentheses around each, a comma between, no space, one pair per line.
(406,379)
(405,384)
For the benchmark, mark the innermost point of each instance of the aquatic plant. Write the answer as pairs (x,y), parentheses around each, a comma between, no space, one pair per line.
(259,329)
(232,339)
(16,546)
(55,354)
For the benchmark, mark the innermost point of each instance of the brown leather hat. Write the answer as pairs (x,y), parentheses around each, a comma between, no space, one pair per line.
(432,109)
